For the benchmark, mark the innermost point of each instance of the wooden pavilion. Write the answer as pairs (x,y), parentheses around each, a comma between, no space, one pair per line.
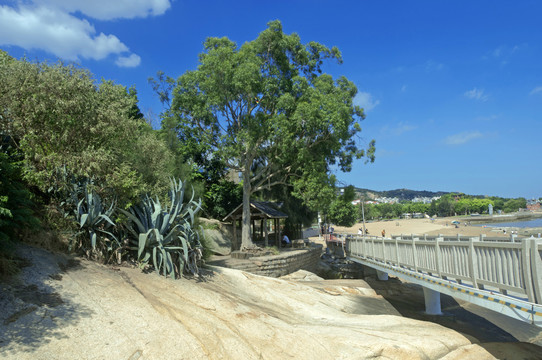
(262,211)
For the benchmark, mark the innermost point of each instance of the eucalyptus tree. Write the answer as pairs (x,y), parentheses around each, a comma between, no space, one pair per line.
(267,109)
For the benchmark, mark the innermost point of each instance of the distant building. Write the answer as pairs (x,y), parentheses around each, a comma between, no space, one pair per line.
(425,200)
(386,200)
(533,205)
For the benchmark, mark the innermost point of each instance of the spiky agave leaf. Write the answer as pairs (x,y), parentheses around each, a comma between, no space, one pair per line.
(163,233)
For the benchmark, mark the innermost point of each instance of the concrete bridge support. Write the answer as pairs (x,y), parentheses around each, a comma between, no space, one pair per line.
(383,276)
(432,301)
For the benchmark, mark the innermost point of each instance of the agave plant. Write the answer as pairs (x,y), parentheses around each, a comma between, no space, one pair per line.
(95,221)
(164,234)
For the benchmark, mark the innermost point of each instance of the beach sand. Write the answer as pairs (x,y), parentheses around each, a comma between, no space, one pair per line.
(442,226)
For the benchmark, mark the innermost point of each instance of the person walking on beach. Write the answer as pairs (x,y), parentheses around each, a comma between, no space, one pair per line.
(383,233)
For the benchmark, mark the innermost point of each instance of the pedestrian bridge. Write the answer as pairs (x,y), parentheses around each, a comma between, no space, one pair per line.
(504,276)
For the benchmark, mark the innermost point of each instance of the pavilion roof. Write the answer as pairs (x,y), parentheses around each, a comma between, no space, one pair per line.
(258,210)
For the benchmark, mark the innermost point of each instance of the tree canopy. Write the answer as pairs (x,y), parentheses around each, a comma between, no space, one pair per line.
(270,113)
(62,118)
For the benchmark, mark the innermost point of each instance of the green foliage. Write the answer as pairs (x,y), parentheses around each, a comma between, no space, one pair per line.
(64,119)
(448,205)
(268,112)
(372,212)
(222,198)
(512,205)
(164,236)
(97,238)
(341,211)
(16,209)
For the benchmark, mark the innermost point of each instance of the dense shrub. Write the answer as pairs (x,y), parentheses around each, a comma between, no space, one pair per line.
(16,210)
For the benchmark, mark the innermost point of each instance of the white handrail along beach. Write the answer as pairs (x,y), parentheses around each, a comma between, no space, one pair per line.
(507,271)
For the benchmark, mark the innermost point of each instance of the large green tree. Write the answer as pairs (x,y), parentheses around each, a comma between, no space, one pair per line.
(267,109)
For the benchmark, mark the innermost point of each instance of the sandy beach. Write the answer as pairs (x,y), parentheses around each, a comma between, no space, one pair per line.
(442,226)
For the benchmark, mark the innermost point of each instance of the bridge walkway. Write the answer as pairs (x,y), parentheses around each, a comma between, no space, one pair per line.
(504,276)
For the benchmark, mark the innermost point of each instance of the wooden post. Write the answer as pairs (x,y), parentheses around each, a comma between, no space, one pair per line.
(277,232)
(266,232)
(234,243)
(253,232)
(261,229)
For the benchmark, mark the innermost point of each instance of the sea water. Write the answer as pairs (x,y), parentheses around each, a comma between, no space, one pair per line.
(518,224)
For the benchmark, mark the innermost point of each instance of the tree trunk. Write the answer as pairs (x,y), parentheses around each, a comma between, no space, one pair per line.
(246,238)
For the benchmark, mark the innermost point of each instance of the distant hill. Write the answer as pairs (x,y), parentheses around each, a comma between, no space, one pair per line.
(401,194)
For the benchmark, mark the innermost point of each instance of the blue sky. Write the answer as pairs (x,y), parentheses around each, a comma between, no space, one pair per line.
(452,89)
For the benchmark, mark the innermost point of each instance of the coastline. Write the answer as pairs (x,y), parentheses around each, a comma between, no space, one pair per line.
(519,216)
(444,226)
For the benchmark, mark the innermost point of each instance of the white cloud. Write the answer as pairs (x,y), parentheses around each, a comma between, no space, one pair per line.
(56,32)
(489,118)
(462,138)
(110,9)
(476,94)
(505,51)
(51,25)
(365,100)
(403,127)
(129,61)
(536,90)
(398,129)
(433,66)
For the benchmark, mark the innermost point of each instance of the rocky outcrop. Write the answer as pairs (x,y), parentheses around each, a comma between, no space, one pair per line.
(105,312)
(218,236)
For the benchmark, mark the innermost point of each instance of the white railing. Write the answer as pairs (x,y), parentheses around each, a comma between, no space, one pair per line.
(514,267)
(458,237)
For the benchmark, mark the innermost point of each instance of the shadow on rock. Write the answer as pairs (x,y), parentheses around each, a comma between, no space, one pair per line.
(408,299)
(33,312)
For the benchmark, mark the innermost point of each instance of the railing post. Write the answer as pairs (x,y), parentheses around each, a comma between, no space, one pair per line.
(473,263)
(397,253)
(536,269)
(438,255)
(527,263)
(414,255)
